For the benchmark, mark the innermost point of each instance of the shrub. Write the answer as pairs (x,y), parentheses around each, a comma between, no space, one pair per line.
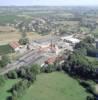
(12,75)
(24,41)
(2,80)
(35,69)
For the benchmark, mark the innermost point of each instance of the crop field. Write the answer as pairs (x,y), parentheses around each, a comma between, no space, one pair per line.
(34,36)
(8,34)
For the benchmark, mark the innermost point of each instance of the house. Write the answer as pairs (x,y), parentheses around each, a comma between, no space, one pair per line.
(15,46)
(50,60)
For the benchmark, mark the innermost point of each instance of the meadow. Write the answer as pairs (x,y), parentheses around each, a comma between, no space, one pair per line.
(55,86)
(5,49)
(4,90)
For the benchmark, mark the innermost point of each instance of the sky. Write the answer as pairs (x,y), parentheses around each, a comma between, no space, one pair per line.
(49,2)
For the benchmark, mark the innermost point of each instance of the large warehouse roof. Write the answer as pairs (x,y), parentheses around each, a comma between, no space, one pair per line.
(71,39)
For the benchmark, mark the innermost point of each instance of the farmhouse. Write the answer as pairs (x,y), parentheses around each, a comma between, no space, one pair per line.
(50,60)
(15,46)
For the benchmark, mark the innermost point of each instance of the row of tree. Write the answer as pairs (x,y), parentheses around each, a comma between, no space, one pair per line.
(27,76)
(86,47)
(78,65)
(4,61)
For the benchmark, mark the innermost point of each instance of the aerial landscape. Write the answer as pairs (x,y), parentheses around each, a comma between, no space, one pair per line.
(48,50)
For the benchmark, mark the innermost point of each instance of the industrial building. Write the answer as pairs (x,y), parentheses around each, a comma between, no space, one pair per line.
(70,39)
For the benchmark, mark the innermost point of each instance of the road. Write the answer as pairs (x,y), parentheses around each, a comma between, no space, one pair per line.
(27,59)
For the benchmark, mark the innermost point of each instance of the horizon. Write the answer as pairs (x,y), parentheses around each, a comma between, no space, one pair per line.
(49,3)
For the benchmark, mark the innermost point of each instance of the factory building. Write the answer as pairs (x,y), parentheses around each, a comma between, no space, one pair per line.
(70,39)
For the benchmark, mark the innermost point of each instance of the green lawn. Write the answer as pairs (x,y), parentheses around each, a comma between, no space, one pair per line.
(4,90)
(91,58)
(94,60)
(5,49)
(55,86)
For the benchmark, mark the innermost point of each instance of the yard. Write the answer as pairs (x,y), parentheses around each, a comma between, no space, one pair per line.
(55,86)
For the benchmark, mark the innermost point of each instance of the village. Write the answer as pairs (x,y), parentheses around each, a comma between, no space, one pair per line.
(47,52)
(51,48)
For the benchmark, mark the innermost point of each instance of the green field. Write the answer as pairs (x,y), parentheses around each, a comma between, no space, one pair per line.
(5,49)
(55,86)
(93,60)
(4,90)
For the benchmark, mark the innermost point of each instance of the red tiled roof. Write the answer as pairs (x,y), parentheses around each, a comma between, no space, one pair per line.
(14,44)
(51,60)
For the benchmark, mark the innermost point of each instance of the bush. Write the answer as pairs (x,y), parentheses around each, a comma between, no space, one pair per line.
(84,83)
(12,75)
(48,69)
(5,60)
(2,80)
(19,88)
(24,41)
(35,69)
(21,72)
(90,98)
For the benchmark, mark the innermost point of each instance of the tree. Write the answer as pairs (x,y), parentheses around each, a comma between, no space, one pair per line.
(89,40)
(24,41)
(2,80)
(35,69)
(79,65)
(5,60)
(12,75)
(22,72)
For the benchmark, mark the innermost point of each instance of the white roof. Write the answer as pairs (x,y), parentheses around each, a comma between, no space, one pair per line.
(70,38)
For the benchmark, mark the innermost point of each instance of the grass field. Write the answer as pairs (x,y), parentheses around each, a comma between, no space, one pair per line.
(93,60)
(55,86)
(5,49)
(4,90)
